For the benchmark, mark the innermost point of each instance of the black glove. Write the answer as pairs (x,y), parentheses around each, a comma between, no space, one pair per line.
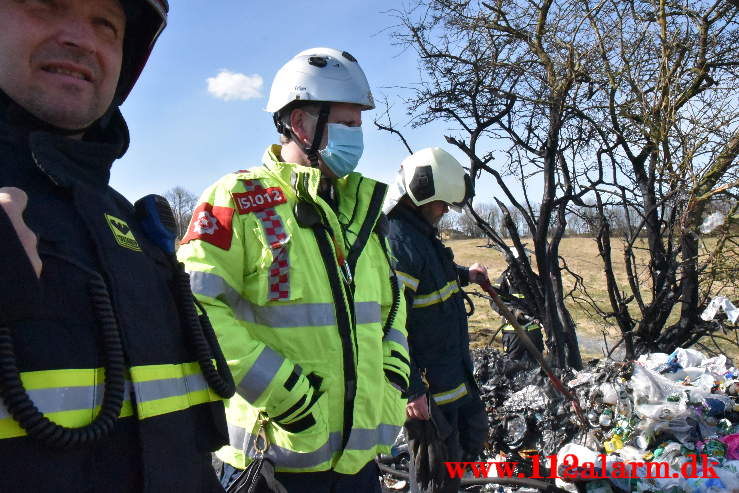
(427,442)
(258,477)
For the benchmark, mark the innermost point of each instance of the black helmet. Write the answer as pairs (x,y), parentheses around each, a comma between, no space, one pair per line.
(145,20)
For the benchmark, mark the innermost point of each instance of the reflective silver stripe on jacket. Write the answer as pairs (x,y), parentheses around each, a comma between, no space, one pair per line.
(450,395)
(282,457)
(153,390)
(365,439)
(436,296)
(394,335)
(73,398)
(281,315)
(407,279)
(368,312)
(360,439)
(260,375)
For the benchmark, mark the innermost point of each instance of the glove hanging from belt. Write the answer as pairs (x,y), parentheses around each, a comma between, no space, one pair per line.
(427,442)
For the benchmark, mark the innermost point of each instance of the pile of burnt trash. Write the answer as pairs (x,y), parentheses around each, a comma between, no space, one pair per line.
(661,423)
(526,413)
(526,416)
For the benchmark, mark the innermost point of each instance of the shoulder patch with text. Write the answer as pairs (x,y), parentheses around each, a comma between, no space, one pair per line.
(122,233)
(211,223)
(258,199)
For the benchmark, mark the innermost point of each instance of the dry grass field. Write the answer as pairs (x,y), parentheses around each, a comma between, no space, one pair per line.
(581,255)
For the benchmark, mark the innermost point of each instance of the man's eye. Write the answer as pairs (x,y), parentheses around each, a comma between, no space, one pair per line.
(108,26)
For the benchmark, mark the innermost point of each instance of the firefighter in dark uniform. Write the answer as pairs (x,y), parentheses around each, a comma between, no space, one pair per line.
(107,374)
(429,182)
(512,295)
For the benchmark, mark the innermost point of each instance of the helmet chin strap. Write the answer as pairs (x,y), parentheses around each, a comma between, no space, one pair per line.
(312,151)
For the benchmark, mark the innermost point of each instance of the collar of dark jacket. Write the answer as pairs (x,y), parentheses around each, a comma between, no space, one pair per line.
(415,219)
(65,160)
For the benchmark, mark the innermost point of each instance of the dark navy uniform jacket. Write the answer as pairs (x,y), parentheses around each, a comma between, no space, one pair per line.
(70,207)
(436,320)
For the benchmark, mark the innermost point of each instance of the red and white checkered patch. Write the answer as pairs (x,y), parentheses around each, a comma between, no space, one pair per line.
(279,271)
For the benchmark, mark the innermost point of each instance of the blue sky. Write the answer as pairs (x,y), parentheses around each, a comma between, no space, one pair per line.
(182,134)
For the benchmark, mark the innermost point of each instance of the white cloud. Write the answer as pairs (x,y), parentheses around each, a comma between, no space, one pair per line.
(229,86)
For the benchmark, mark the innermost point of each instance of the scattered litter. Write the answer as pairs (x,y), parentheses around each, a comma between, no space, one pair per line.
(663,408)
(722,302)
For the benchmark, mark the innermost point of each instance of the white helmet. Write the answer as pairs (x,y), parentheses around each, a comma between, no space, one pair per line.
(428,175)
(320,74)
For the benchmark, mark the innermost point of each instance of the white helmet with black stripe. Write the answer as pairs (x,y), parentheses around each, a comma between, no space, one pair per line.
(428,175)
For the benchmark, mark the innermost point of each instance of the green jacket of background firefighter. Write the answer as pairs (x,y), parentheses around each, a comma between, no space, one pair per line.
(300,313)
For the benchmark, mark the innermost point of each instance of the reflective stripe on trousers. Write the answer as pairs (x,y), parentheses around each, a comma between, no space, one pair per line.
(72,398)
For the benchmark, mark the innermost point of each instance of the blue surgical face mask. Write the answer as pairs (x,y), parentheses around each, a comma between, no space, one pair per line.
(344,147)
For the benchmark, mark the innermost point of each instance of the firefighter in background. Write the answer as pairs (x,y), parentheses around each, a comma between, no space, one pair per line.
(511,293)
(430,182)
(102,387)
(290,260)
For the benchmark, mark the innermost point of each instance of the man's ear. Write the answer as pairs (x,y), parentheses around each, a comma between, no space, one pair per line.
(301,126)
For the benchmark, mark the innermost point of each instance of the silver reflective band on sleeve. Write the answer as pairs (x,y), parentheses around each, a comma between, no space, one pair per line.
(59,399)
(368,312)
(394,335)
(366,439)
(214,286)
(260,375)
(450,395)
(153,390)
(282,315)
(410,281)
(436,296)
(282,457)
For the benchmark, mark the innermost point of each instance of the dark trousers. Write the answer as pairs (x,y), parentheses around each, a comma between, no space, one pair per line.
(365,481)
(470,423)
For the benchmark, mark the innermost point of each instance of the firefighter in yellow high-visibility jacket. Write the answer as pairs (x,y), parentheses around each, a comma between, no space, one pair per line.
(290,261)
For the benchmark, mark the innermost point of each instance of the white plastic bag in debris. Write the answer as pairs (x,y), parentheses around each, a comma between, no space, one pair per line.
(721,302)
(652,361)
(687,357)
(652,388)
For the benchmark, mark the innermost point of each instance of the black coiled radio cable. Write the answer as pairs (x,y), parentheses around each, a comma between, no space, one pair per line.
(203,338)
(381,228)
(22,408)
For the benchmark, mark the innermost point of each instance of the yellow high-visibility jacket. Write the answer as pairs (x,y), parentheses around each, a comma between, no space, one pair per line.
(300,296)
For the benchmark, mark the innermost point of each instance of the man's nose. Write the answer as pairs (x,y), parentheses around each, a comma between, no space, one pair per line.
(77,32)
